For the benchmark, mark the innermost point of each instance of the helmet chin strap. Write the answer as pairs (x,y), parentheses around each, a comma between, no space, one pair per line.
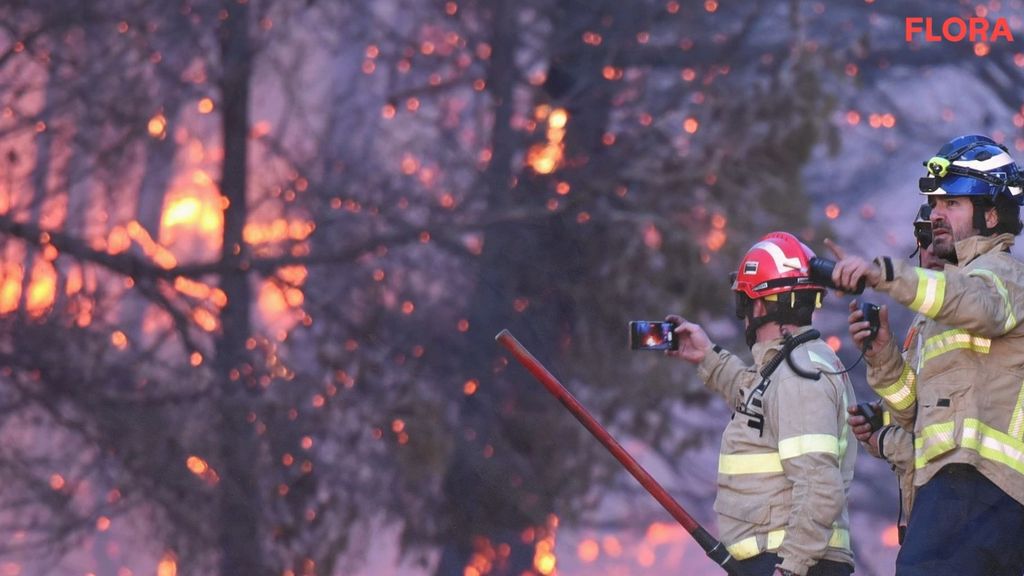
(754,324)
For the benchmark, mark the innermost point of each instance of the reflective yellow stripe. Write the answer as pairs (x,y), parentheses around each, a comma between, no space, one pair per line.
(840,539)
(1011,320)
(807,443)
(902,393)
(845,432)
(954,340)
(932,441)
(993,444)
(1016,429)
(735,464)
(886,418)
(749,547)
(931,291)
(746,548)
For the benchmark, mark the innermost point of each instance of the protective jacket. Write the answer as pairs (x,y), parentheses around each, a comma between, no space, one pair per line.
(962,391)
(896,444)
(787,456)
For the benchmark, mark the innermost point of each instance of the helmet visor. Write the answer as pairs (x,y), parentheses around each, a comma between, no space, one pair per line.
(957,185)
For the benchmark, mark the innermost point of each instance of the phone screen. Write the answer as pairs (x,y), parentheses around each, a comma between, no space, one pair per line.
(652,335)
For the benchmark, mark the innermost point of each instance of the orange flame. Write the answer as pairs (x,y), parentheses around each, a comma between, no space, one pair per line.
(544,559)
(546,157)
(168,565)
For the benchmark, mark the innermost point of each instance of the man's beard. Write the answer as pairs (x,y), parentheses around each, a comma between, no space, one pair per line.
(945,247)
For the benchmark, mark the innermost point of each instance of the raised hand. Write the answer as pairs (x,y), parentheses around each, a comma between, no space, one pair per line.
(860,330)
(850,270)
(694,343)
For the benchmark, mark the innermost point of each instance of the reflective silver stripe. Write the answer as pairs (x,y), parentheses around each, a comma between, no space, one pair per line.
(1011,320)
(819,359)
(988,442)
(902,393)
(931,291)
(845,431)
(954,340)
(1016,429)
(932,441)
(993,445)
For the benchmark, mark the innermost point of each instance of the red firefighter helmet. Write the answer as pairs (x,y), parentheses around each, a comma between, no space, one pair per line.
(777,264)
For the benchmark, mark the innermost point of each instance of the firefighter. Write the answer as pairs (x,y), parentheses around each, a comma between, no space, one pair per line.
(963,396)
(787,454)
(889,441)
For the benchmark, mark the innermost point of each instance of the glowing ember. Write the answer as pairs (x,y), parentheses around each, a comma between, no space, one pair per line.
(588,551)
(652,237)
(834,343)
(891,536)
(157,126)
(545,158)
(202,469)
(168,565)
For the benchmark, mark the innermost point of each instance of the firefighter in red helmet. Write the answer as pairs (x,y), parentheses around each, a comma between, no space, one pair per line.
(787,454)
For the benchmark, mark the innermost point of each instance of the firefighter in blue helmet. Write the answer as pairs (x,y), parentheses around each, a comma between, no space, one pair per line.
(881,438)
(963,397)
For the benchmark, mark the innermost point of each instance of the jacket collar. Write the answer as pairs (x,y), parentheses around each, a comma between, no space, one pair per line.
(765,351)
(973,246)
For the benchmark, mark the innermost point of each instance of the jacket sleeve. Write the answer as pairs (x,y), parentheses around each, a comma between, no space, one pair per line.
(895,381)
(986,300)
(896,446)
(724,373)
(811,444)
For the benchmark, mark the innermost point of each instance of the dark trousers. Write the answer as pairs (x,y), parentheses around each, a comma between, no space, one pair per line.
(963,525)
(764,565)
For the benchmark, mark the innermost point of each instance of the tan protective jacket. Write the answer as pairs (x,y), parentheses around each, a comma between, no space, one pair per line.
(896,444)
(963,392)
(783,487)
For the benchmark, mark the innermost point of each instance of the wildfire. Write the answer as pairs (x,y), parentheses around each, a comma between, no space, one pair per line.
(544,559)
(487,556)
(546,157)
(168,565)
(41,287)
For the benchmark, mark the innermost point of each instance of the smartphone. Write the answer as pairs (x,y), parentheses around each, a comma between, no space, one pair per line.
(652,335)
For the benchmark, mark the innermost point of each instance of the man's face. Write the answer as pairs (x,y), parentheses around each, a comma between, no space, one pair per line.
(952,218)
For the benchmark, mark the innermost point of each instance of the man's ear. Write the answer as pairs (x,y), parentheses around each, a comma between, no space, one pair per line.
(991,218)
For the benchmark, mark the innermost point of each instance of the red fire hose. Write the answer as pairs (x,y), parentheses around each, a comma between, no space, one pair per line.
(714,549)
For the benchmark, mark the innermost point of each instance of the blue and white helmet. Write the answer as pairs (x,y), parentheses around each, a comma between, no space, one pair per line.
(973,165)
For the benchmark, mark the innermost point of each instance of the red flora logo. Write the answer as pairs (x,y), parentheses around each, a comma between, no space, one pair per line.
(955,29)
